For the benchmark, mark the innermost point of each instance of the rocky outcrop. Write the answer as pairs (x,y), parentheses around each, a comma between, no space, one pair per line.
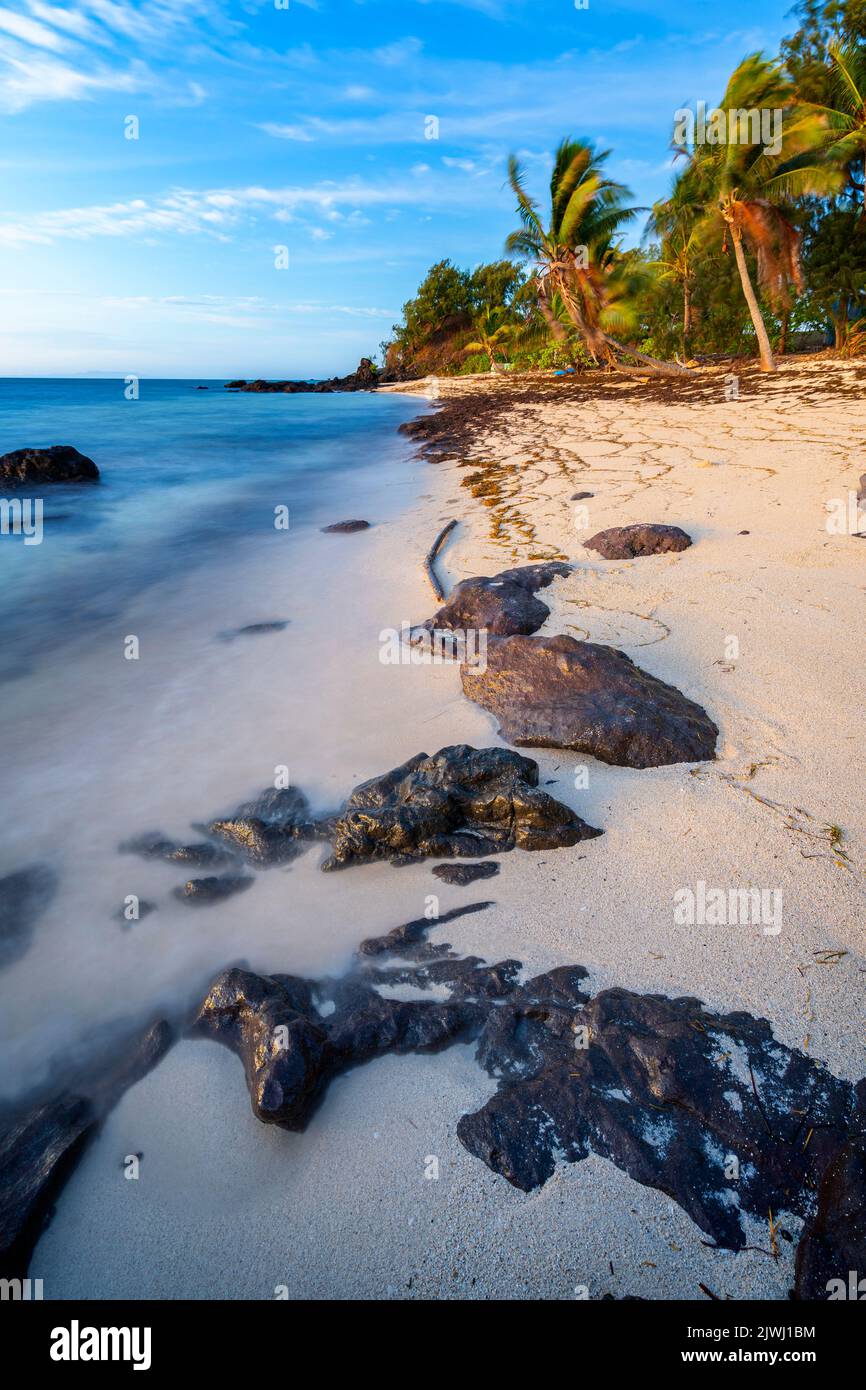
(709,1108)
(41,1142)
(646,538)
(557,692)
(24,896)
(501,605)
(290,1051)
(273,829)
(460,803)
(364,378)
(59,463)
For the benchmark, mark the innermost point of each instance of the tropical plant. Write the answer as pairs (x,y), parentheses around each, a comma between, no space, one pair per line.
(676,220)
(747,189)
(581,278)
(492,331)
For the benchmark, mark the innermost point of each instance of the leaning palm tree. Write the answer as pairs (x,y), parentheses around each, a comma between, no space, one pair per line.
(746,189)
(578,266)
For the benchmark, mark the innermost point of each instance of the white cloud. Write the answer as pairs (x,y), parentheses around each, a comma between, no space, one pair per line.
(30,32)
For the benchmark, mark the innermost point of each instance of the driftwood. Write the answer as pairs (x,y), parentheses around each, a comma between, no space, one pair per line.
(431,556)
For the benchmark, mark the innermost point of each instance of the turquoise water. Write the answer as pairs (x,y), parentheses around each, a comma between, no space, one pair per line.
(186,475)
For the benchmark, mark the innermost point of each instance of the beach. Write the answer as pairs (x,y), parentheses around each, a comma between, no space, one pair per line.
(759,621)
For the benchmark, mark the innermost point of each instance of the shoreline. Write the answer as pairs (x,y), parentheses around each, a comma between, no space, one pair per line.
(609,911)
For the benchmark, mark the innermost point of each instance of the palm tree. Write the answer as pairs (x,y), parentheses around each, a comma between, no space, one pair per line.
(578,267)
(676,221)
(493,329)
(837,131)
(746,189)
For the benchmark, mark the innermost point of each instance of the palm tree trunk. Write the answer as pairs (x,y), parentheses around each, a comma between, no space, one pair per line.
(767,361)
(687,316)
(652,363)
(556,329)
(783,332)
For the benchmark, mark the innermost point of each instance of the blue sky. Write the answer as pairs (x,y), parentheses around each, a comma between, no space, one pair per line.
(304,127)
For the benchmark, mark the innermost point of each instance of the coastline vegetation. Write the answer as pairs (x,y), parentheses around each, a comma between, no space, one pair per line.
(759,248)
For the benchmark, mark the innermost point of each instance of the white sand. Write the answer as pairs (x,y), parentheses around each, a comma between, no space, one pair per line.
(226,1207)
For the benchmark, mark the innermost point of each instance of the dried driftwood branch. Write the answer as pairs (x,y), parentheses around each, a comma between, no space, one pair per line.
(431,556)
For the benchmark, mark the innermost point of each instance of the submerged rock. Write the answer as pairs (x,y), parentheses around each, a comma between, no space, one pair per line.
(647,538)
(254,630)
(557,692)
(203,891)
(461,802)
(273,829)
(40,1143)
(501,605)
(463,874)
(346,527)
(59,463)
(153,845)
(708,1108)
(24,896)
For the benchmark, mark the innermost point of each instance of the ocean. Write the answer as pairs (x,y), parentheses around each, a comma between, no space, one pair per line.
(131,703)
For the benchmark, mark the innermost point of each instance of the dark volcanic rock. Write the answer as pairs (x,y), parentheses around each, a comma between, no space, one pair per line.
(460,803)
(24,896)
(581,496)
(401,940)
(344,528)
(647,538)
(254,630)
(833,1243)
(501,605)
(557,692)
(290,1051)
(58,464)
(204,891)
(275,828)
(284,1051)
(463,874)
(36,1152)
(364,378)
(153,845)
(667,1091)
(40,1143)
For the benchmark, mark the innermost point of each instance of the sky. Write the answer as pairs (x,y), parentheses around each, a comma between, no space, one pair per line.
(218,189)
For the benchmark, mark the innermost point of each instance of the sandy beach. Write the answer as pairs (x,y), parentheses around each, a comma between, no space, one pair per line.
(761,622)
